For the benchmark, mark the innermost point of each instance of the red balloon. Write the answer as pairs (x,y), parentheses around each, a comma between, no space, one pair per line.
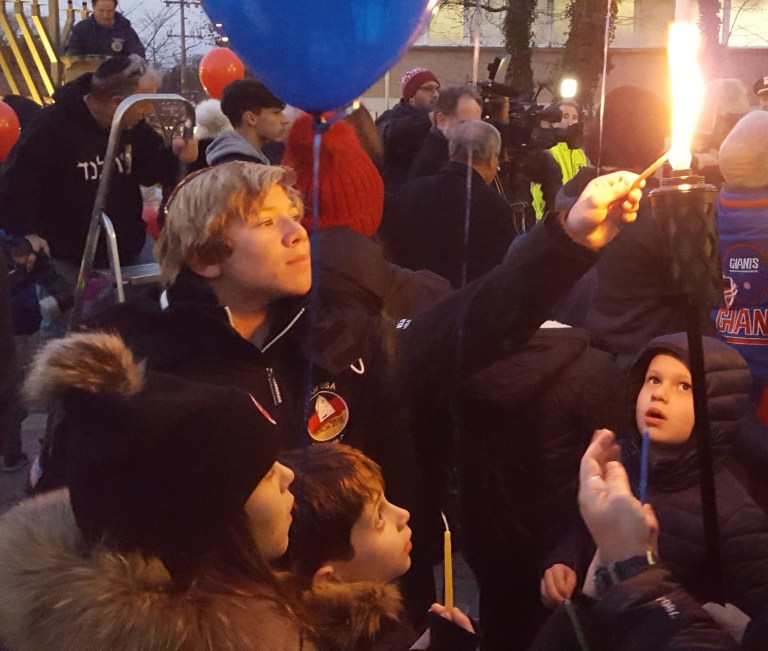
(217,68)
(9,130)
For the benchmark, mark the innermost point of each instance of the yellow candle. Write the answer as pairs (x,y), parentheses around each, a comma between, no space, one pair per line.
(447,566)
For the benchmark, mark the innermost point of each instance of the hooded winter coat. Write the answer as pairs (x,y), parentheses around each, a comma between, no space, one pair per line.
(58,593)
(526,421)
(403,129)
(88,37)
(673,484)
(674,493)
(229,146)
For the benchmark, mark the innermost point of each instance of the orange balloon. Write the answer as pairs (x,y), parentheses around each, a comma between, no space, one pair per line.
(9,130)
(217,68)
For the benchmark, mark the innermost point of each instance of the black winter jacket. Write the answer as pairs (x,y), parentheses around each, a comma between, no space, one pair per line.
(335,372)
(49,182)
(626,299)
(429,233)
(88,37)
(192,337)
(525,422)
(403,129)
(432,156)
(673,488)
(528,419)
(650,611)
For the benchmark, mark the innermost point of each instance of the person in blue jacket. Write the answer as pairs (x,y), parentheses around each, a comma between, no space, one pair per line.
(106,31)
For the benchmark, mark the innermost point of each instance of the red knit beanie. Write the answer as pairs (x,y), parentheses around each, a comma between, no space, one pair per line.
(351,189)
(414,79)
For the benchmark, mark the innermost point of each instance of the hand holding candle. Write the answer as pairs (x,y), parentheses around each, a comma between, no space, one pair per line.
(620,526)
(447,565)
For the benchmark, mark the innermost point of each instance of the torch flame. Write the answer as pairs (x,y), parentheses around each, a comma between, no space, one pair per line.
(687,90)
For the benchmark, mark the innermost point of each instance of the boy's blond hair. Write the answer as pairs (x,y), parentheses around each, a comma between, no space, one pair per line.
(203,205)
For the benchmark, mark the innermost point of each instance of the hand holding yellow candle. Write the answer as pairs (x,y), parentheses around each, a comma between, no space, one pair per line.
(447,565)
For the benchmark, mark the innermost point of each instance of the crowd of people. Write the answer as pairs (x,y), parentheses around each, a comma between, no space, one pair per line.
(255,453)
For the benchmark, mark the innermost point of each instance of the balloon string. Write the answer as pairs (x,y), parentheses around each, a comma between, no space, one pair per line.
(606,34)
(476,42)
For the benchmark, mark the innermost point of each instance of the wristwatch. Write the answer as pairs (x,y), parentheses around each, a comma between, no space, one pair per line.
(609,575)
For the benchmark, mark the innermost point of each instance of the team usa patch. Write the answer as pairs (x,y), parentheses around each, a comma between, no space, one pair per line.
(329,417)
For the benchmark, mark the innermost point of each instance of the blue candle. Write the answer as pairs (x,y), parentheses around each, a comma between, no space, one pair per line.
(646,443)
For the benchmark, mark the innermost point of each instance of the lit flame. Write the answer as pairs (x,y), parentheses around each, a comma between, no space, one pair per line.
(687,90)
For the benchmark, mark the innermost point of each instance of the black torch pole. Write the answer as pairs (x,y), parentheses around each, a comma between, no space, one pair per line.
(684,207)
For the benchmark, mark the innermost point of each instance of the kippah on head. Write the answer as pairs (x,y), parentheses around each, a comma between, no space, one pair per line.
(414,79)
(116,65)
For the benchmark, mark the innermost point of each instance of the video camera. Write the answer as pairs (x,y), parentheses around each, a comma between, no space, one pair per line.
(520,123)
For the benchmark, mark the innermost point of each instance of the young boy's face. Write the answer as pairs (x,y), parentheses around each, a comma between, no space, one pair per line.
(381,539)
(665,403)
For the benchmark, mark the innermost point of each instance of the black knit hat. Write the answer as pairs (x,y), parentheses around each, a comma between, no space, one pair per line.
(153,462)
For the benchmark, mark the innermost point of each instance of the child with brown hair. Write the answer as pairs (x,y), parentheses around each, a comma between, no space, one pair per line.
(348,544)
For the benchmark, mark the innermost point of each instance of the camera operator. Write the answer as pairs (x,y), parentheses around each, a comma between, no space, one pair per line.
(524,156)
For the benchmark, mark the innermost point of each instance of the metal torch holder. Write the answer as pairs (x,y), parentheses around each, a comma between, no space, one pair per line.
(684,211)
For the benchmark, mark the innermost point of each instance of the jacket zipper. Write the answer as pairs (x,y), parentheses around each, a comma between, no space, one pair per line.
(274,388)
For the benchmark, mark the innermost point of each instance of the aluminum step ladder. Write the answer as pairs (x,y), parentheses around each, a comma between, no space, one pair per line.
(175,116)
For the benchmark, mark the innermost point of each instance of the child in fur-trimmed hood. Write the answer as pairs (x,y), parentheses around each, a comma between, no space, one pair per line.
(174,507)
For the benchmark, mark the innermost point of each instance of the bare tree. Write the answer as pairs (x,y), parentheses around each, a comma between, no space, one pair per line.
(154,28)
(515,17)
(158,28)
(584,50)
(745,18)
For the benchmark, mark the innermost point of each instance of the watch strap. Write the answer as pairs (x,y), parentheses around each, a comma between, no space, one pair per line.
(610,575)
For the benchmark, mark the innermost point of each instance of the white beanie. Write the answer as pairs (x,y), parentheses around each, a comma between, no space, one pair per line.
(744,153)
(210,119)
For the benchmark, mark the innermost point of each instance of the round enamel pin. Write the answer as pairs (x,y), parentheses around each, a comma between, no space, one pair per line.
(329,418)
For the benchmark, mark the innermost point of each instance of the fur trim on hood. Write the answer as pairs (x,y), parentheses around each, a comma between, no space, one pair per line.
(349,614)
(57,593)
(93,361)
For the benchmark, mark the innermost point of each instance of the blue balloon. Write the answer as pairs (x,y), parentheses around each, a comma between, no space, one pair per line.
(319,54)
